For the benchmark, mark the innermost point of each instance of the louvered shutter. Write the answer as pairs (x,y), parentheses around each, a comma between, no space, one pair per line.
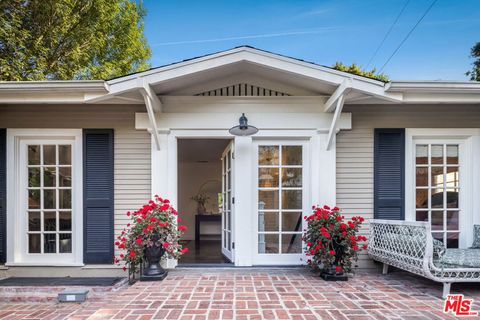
(3,195)
(98,196)
(389,174)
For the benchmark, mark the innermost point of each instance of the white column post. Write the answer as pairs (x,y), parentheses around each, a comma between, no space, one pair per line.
(164,170)
(244,211)
(160,166)
(323,170)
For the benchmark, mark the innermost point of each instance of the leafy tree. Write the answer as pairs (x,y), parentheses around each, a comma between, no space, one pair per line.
(474,74)
(71,39)
(355,69)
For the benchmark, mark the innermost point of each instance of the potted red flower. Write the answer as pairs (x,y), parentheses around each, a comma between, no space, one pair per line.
(152,235)
(332,243)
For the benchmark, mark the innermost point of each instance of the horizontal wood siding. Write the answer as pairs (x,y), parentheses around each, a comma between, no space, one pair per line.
(355,177)
(132,173)
(69,116)
(355,148)
(131,147)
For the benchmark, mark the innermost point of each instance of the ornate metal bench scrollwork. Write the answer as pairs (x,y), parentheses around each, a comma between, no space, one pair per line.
(409,246)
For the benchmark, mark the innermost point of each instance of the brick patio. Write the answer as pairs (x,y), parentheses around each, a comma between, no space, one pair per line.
(256,294)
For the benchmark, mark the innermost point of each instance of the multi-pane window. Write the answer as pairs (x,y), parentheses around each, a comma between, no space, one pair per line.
(280,198)
(49,211)
(437,187)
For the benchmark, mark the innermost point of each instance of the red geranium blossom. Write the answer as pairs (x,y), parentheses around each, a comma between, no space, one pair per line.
(154,224)
(328,235)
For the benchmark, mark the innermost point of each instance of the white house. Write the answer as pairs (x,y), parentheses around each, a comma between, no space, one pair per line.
(76,155)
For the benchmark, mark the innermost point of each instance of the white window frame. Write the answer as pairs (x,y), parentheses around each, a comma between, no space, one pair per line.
(280,258)
(469,149)
(17,222)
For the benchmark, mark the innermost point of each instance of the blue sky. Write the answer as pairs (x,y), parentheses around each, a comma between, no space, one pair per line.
(322,32)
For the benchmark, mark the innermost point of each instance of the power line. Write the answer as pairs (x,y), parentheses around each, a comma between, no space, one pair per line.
(408,35)
(388,32)
(253,36)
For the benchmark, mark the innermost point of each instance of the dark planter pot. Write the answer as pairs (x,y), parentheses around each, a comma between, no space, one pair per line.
(331,274)
(154,271)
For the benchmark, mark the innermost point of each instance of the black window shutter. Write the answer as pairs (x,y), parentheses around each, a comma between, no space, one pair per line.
(389,174)
(98,196)
(3,195)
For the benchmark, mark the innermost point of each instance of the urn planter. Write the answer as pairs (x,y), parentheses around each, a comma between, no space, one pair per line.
(153,255)
(331,274)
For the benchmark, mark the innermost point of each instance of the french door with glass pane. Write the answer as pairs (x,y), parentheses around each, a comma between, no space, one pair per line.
(47,185)
(438,188)
(281,201)
(227,202)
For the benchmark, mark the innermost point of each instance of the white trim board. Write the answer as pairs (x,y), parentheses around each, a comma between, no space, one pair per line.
(263,121)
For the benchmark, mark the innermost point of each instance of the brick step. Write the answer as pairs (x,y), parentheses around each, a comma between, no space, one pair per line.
(50,293)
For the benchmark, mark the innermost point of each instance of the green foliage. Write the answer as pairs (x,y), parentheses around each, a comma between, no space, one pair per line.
(71,39)
(355,69)
(474,74)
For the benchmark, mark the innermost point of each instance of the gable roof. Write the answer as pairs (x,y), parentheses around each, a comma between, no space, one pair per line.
(236,48)
(221,69)
(317,79)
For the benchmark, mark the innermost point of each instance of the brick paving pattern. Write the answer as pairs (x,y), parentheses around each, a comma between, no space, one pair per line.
(257,294)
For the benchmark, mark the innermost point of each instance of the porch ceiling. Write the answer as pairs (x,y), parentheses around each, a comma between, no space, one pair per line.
(201,150)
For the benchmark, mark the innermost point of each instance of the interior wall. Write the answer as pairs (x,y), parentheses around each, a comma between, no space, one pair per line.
(191,177)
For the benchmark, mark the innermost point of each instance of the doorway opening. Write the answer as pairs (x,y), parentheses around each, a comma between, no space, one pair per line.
(205,188)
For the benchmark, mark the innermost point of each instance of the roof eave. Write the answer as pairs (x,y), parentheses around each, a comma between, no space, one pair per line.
(433,86)
(64,85)
(248,50)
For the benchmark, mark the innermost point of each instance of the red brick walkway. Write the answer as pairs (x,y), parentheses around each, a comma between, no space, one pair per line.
(257,294)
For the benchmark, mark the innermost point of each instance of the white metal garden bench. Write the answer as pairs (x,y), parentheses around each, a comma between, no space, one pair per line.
(409,246)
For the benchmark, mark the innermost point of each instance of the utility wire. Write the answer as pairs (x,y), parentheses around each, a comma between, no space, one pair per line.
(408,35)
(388,32)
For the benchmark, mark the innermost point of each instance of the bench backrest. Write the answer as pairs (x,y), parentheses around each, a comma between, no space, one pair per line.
(403,244)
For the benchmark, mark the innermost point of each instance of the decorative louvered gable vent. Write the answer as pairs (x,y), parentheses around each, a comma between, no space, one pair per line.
(242,90)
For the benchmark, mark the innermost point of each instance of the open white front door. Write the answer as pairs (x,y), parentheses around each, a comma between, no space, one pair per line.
(227,202)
